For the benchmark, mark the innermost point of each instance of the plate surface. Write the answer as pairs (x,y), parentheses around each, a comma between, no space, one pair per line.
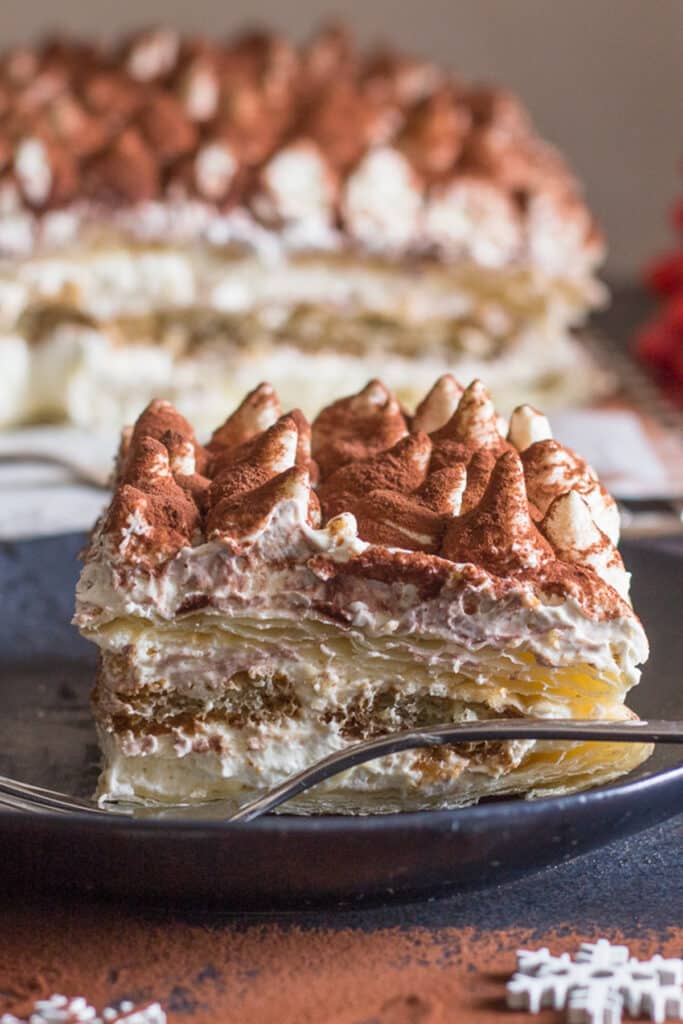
(46,737)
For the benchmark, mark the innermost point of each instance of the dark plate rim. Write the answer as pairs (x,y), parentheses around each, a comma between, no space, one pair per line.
(503,810)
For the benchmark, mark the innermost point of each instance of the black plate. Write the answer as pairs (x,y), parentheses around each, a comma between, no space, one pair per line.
(46,737)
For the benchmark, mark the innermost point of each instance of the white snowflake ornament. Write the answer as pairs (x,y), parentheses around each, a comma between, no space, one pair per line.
(669,971)
(129,1014)
(602,954)
(663,1003)
(600,984)
(59,1009)
(594,1004)
(531,960)
(533,994)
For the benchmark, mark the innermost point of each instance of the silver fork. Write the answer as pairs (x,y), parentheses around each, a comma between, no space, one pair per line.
(24,797)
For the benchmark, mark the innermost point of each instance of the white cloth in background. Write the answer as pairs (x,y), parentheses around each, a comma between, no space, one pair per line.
(40,499)
(618,448)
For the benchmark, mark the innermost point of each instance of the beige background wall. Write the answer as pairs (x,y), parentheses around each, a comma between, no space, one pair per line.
(603,78)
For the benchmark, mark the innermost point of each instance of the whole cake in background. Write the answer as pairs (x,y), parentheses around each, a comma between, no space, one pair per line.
(182,218)
(289,589)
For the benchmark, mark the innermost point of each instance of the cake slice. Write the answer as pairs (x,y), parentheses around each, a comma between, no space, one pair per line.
(286,590)
(182,218)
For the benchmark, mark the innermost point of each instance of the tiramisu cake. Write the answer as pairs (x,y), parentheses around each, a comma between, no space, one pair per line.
(288,590)
(181,218)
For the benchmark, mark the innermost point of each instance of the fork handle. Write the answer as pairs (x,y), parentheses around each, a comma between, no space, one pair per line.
(636,731)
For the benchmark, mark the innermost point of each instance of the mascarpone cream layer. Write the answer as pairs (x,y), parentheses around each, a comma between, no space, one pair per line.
(79,375)
(109,282)
(510,326)
(277,577)
(400,782)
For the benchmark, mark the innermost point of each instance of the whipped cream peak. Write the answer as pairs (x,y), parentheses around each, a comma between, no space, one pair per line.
(240,472)
(399,79)
(569,526)
(297,184)
(383,201)
(33,171)
(153,54)
(396,520)
(258,411)
(199,87)
(215,169)
(528,425)
(402,468)
(374,393)
(467,499)
(475,421)
(499,532)
(438,406)
(329,51)
(552,470)
(470,216)
(357,427)
(275,449)
(443,489)
(245,517)
(161,421)
(148,524)
(159,416)
(435,131)
(149,465)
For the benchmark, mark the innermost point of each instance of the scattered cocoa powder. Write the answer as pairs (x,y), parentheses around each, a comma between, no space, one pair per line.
(229,972)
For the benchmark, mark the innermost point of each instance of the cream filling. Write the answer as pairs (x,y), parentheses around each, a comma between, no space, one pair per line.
(329,667)
(400,782)
(81,377)
(201,697)
(273,592)
(109,282)
(406,324)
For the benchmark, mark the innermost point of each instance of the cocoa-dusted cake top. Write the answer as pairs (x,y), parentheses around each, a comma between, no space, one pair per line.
(243,123)
(450,485)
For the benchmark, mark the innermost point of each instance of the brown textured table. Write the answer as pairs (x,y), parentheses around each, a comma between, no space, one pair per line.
(421,963)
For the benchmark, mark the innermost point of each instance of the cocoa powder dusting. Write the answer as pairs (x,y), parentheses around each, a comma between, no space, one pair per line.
(272,973)
(461,494)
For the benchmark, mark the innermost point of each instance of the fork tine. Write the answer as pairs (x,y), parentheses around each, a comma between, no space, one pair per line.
(32,798)
(21,805)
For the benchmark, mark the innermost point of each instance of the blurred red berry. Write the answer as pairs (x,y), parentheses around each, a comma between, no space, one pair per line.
(672,316)
(665,276)
(656,343)
(677,215)
(674,370)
